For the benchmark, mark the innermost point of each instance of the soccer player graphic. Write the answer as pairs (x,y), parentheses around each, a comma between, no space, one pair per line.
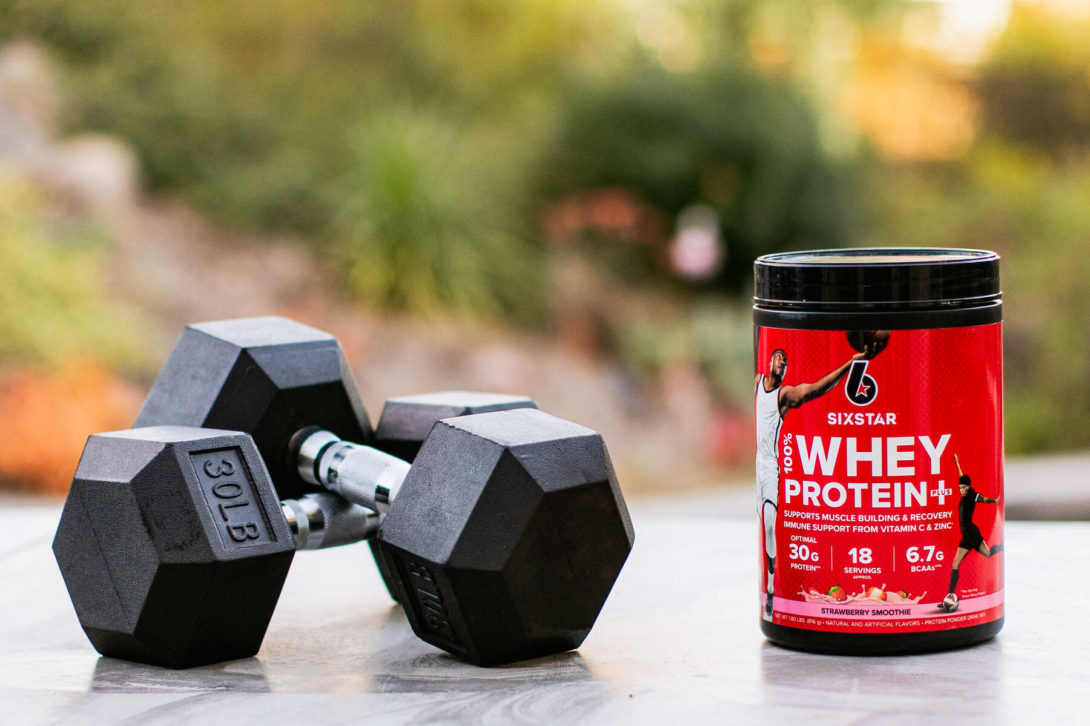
(774,400)
(971,538)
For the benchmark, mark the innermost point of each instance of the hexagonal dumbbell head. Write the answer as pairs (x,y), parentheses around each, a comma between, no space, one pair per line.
(269,377)
(507,535)
(172,545)
(406,421)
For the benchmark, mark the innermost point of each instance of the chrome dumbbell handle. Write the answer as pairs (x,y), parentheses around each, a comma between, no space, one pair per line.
(322,520)
(360,474)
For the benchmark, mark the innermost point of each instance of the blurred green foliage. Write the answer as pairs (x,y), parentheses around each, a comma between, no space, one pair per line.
(416,231)
(392,137)
(1035,87)
(715,333)
(53,301)
(724,136)
(419,145)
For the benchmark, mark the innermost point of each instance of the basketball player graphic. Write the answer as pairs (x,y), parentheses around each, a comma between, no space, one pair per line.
(971,538)
(774,400)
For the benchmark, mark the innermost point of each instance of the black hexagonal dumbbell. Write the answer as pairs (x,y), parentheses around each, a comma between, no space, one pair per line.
(269,377)
(503,538)
(174,547)
(406,421)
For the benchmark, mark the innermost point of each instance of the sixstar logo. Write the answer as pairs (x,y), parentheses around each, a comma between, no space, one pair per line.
(860,388)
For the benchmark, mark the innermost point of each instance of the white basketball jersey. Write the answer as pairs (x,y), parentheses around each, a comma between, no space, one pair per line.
(768,425)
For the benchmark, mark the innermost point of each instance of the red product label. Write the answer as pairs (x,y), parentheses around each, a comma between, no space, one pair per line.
(880,478)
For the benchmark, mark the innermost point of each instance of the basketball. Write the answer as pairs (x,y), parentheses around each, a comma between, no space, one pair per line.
(950,603)
(872,341)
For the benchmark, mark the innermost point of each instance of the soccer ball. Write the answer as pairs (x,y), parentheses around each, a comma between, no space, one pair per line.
(950,603)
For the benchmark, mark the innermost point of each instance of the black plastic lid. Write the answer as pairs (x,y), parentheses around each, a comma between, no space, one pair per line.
(877,278)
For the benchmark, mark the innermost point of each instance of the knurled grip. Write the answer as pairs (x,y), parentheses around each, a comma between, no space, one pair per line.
(361,474)
(323,520)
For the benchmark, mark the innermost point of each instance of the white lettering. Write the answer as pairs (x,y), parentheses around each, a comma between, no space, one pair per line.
(917,494)
(857,488)
(809,493)
(873,457)
(791,490)
(899,449)
(935,450)
(839,490)
(816,453)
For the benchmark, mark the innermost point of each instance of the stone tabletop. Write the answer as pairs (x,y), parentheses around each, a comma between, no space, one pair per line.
(677,642)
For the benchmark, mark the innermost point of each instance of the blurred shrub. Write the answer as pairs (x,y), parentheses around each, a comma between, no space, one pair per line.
(724,136)
(60,336)
(211,121)
(270,114)
(53,301)
(1035,86)
(715,332)
(422,226)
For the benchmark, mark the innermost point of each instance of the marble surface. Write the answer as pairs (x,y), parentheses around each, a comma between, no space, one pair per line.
(677,641)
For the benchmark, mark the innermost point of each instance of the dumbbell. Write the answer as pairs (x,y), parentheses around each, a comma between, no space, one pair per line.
(501,541)
(405,422)
(272,377)
(174,548)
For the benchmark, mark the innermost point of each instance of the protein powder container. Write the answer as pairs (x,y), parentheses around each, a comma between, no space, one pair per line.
(879,419)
